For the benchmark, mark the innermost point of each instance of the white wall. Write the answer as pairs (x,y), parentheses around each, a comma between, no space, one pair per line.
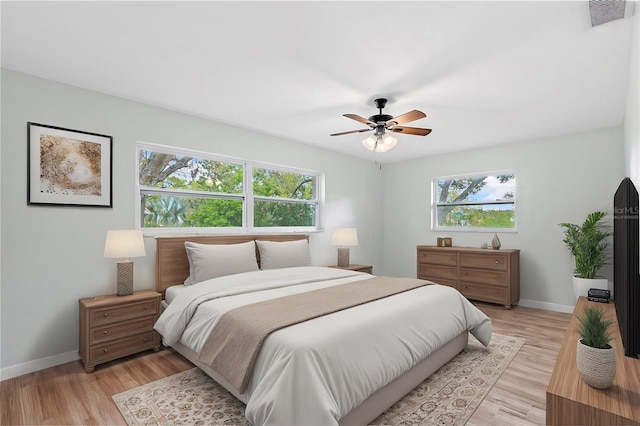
(52,256)
(632,112)
(559,179)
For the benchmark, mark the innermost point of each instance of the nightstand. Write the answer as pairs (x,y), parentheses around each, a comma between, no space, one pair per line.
(112,327)
(360,268)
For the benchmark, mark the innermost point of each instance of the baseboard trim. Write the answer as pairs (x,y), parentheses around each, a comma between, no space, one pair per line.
(547,306)
(37,364)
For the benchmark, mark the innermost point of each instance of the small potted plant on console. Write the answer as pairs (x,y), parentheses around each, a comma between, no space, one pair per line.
(595,357)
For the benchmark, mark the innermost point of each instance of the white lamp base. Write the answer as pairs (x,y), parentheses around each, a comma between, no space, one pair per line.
(343,256)
(125,277)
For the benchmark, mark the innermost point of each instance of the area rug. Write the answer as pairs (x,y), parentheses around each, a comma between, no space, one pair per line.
(448,397)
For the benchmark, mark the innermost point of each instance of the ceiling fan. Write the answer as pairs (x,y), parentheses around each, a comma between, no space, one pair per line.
(382,141)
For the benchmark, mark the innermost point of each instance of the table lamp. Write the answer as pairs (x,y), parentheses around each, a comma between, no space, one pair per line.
(344,238)
(124,244)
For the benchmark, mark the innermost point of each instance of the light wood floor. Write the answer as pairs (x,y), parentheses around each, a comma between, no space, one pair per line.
(65,394)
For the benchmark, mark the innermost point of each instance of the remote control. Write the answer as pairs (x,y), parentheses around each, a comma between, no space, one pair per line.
(596,292)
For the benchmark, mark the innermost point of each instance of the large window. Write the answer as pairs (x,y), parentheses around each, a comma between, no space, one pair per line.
(478,202)
(186,189)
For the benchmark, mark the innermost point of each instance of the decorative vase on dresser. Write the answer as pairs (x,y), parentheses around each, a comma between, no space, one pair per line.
(479,274)
(495,242)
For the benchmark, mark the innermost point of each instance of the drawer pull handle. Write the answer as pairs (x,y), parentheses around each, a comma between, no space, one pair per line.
(496,262)
(106,314)
(105,332)
(145,306)
(105,350)
(145,340)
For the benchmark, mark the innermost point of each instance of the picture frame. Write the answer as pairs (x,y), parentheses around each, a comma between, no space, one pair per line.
(67,167)
(444,241)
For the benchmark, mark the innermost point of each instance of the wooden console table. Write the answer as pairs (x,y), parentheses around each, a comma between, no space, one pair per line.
(570,401)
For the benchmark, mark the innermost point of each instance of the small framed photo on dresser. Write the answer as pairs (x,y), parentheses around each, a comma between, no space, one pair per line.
(68,167)
(444,242)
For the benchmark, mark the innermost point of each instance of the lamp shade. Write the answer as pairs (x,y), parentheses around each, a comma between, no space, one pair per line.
(344,237)
(124,244)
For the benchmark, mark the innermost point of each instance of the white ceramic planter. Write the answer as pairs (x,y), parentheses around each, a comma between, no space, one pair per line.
(597,367)
(581,286)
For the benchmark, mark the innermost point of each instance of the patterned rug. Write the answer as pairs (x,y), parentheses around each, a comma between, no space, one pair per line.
(448,397)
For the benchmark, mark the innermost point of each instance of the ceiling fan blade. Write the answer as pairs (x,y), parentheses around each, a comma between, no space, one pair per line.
(360,119)
(410,130)
(407,117)
(351,131)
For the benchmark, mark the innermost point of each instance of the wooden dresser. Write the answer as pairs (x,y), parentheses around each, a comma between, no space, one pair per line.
(570,401)
(115,326)
(479,274)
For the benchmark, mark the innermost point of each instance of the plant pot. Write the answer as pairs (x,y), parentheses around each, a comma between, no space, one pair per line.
(581,286)
(597,367)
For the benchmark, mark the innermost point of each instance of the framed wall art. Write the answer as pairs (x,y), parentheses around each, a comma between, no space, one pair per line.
(68,167)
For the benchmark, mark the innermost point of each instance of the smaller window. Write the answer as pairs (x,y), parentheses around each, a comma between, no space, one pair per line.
(284,198)
(480,202)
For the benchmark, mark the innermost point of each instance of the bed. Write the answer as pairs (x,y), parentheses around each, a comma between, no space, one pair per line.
(343,368)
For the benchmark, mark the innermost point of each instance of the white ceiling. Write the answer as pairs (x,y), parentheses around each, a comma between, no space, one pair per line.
(485,73)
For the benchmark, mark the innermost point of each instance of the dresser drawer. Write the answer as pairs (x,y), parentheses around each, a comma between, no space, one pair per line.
(484,276)
(486,293)
(108,315)
(496,261)
(438,258)
(442,281)
(436,271)
(122,347)
(117,330)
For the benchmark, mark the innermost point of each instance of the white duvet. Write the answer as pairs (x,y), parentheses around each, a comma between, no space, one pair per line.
(317,371)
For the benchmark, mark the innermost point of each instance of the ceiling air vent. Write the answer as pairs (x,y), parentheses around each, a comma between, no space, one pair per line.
(603,11)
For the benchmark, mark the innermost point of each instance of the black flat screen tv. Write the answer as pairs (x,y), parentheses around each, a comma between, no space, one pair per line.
(626,265)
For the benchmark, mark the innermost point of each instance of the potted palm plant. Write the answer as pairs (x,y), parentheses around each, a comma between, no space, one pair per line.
(589,246)
(595,357)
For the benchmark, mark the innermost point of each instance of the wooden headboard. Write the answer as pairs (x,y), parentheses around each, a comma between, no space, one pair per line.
(172,264)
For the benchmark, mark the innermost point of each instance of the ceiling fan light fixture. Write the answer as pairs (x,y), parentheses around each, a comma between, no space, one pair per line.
(389,141)
(385,142)
(381,141)
(370,142)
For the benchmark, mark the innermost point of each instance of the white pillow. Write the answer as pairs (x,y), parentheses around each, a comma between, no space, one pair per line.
(284,254)
(208,261)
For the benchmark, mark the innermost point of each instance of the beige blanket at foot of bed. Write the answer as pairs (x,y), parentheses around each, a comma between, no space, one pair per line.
(233,345)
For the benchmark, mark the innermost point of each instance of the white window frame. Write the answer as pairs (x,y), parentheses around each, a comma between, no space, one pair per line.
(434,203)
(318,198)
(246,196)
